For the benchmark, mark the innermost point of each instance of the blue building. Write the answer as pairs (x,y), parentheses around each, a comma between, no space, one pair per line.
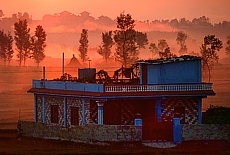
(156,92)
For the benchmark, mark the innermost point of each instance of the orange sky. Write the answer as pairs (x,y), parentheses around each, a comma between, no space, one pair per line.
(216,10)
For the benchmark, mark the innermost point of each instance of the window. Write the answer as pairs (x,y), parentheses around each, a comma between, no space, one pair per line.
(74,116)
(54,114)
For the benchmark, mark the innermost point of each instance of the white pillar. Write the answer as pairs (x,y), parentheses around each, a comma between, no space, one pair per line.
(100,112)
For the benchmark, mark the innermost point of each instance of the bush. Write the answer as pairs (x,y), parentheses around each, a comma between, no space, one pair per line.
(217,115)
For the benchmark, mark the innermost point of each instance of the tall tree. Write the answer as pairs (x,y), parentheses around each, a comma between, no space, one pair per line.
(107,43)
(164,49)
(6,47)
(125,40)
(153,49)
(9,48)
(83,48)
(141,39)
(38,45)
(181,38)
(22,38)
(208,52)
(3,41)
(227,49)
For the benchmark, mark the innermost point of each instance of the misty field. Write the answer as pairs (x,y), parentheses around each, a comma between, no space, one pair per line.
(16,103)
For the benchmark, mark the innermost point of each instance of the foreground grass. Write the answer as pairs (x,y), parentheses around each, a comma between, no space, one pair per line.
(10,144)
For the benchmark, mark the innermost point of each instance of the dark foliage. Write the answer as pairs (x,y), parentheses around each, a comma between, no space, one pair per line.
(217,115)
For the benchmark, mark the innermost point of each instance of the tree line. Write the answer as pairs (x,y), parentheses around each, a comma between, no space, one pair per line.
(128,43)
(27,46)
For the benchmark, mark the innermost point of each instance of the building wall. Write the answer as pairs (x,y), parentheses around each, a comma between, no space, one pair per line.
(93,112)
(174,72)
(123,112)
(59,101)
(73,102)
(191,109)
(39,108)
(54,100)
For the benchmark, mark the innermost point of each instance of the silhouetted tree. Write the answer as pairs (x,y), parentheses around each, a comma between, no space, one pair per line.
(141,39)
(9,48)
(164,49)
(6,47)
(83,48)
(125,40)
(3,41)
(153,49)
(201,21)
(208,52)
(1,13)
(181,37)
(107,43)
(227,49)
(22,38)
(38,45)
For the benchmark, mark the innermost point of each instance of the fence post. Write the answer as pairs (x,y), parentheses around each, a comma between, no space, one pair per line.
(177,136)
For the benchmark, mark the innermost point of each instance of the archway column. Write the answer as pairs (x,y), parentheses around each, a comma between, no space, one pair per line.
(100,108)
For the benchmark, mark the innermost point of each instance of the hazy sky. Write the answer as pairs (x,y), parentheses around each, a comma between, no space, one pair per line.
(216,10)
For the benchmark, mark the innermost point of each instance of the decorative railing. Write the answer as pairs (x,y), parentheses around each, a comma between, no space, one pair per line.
(93,87)
(156,87)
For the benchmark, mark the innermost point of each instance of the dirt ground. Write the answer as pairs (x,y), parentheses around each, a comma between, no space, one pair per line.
(11,144)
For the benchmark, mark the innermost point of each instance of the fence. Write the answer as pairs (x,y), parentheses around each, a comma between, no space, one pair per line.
(86,133)
(205,132)
(156,87)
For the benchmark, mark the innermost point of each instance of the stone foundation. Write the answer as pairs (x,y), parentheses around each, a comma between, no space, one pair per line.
(87,133)
(205,132)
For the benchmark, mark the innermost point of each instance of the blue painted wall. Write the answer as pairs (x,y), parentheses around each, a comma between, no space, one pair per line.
(174,72)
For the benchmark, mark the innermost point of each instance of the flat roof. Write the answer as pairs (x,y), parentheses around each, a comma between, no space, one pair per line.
(107,95)
(169,60)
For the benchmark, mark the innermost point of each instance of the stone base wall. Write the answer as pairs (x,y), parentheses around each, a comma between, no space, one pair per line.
(86,133)
(205,132)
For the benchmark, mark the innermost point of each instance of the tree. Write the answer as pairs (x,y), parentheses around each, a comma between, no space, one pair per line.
(181,37)
(38,45)
(208,52)
(141,39)
(227,49)
(22,38)
(9,48)
(107,43)
(125,40)
(83,48)
(217,115)
(164,49)
(153,49)
(3,46)
(1,14)
(6,47)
